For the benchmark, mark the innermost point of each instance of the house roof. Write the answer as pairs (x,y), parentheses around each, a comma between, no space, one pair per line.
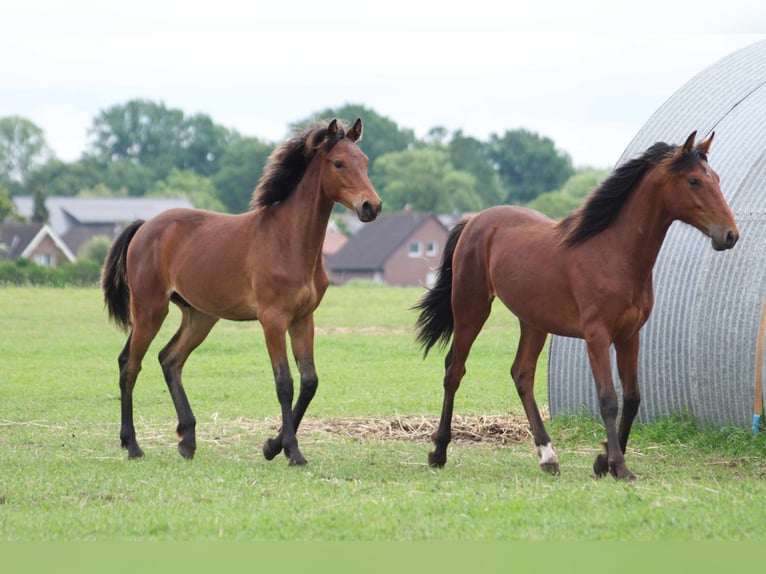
(79,235)
(375,242)
(66,212)
(21,239)
(16,236)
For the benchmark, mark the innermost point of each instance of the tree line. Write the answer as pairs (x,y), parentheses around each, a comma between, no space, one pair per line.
(143,148)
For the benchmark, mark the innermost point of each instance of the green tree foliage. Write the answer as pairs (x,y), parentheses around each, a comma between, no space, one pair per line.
(240,170)
(100,190)
(39,209)
(22,149)
(423,179)
(7,207)
(95,249)
(145,148)
(151,135)
(471,155)
(380,135)
(528,164)
(557,204)
(199,190)
(62,179)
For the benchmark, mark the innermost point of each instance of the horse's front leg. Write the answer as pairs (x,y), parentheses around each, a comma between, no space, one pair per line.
(613,461)
(286,439)
(302,341)
(627,367)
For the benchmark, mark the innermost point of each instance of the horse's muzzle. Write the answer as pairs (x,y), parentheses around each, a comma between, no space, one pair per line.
(368,211)
(725,240)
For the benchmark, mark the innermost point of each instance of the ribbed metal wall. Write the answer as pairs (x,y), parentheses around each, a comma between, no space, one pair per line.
(698,349)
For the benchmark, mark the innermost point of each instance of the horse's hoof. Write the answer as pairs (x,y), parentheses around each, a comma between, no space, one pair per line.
(271,448)
(601,466)
(135,452)
(622,473)
(186,451)
(436,461)
(298,461)
(550,468)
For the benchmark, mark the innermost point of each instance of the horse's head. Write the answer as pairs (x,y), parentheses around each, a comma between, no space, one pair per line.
(694,195)
(344,172)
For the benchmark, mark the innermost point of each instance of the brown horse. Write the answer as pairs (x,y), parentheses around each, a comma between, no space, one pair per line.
(587,276)
(265,264)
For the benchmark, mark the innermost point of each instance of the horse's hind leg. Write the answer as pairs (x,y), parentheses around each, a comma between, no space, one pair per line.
(531,343)
(195,326)
(127,383)
(469,319)
(144,330)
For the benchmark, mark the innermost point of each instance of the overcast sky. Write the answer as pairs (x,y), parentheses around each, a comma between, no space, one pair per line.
(585,73)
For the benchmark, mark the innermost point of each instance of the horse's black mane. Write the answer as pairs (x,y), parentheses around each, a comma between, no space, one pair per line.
(603,205)
(288,163)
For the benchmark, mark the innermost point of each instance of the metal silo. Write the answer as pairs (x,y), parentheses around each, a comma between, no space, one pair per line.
(698,349)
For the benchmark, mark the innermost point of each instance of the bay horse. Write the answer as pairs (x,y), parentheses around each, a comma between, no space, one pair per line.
(588,276)
(265,264)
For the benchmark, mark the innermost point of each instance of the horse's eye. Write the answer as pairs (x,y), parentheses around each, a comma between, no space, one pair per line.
(338,164)
(694,182)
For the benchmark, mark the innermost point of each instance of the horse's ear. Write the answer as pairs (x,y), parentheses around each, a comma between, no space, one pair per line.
(689,144)
(355,133)
(704,146)
(332,129)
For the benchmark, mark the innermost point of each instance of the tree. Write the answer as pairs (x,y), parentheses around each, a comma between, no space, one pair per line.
(7,207)
(240,170)
(423,179)
(100,190)
(22,149)
(557,204)
(471,155)
(95,249)
(197,189)
(159,138)
(58,178)
(40,212)
(528,164)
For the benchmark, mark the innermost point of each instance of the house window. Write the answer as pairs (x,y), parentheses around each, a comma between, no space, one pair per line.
(415,249)
(44,260)
(432,249)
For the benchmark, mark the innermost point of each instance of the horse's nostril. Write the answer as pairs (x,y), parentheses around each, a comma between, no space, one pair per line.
(731,238)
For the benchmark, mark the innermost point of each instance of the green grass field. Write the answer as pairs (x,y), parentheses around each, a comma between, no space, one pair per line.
(63,476)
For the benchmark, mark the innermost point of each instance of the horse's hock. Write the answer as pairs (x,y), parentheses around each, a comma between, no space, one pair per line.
(698,349)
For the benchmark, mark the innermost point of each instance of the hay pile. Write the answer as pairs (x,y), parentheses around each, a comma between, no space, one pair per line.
(491,429)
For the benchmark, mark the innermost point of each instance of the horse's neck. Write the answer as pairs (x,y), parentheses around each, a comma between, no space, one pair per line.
(640,229)
(307,213)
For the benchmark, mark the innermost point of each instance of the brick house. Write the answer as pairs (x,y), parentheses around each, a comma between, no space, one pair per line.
(35,241)
(397,249)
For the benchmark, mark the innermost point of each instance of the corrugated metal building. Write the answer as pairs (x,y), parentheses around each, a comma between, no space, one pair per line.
(698,349)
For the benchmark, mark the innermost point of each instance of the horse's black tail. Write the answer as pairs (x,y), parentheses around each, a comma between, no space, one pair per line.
(435,320)
(114,277)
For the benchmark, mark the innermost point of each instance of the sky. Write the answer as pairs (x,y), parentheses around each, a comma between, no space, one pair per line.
(587,74)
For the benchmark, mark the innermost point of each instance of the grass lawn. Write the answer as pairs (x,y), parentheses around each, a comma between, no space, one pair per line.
(63,476)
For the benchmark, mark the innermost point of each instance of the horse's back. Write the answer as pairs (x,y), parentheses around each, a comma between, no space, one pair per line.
(516,253)
(201,255)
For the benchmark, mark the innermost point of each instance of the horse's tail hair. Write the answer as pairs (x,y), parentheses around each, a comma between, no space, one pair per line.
(435,321)
(114,277)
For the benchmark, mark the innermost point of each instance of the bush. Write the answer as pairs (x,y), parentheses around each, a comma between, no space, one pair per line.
(23,272)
